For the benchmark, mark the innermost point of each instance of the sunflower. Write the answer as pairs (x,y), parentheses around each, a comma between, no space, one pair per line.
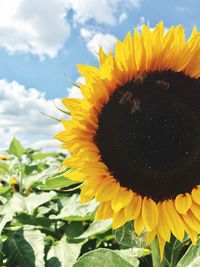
(134,138)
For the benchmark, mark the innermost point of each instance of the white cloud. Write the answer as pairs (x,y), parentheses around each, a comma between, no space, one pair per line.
(21,115)
(41,27)
(100,10)
(74,91)
(47,145)
(95,40)
(87,33)
(36,27)
(123,17)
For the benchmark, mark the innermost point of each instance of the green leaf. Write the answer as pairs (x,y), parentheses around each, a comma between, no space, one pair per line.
(25,248)
(63,254)
(73,229)
(55,183)
(40,156)
(28,169)
(4,167)
(133,253)
(126,237)
(192,257)
(40,178)
(3,200)
(74,211)
(105,257)
(172,250)
(14,205)
(4,220)
(5,189)
(16,148)
(35,200)
(97,227)
(19,203)
(25,218)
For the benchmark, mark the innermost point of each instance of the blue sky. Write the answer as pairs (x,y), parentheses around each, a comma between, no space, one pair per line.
(42,41)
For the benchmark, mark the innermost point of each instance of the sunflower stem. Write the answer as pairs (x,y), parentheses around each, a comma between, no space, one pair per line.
(155,254)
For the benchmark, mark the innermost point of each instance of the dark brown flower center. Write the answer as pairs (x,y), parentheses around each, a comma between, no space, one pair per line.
(149,134)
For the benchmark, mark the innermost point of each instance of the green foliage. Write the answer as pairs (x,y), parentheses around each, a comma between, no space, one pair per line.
(74,211)
(25,248)
(108,258)
(126,237)
(63,253)
(55,183)
(97,227)
(192,257)
(16,148)
(43,224)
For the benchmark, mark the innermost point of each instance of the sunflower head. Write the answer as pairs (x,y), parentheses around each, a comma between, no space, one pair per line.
(134,138)
(4,157)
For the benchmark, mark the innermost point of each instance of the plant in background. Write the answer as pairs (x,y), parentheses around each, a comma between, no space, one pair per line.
(134,138)
(42,222)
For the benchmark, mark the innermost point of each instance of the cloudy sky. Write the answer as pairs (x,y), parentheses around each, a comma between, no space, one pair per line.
(42,41)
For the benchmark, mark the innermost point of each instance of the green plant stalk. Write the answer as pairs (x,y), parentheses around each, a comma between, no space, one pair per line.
(21,175)
(155,254)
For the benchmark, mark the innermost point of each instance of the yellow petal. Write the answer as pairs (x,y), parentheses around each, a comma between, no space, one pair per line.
(163,227)
(192,221)
(95,169)
(139,50)
(67,123)
(99,212)
(173,219)
(90,156)
(193,67)
(75,176)
(87,193)
(107,190)
(139,225)
(128,42)
(162,243)
(183,202)
(89,188)
(121,55)
(166,47)
(147,41)
(71,103)
(195,209)
(191,233)
(104,211)
(84,198)
(62,136)
(102,56)
(72,162)
(196,194)
(87,71)
(132,210)
(95,181)
(108,212)
(150,237)
(157,38)
(118,219)
(107,72)
(194,33)
(122,199)
(149,214)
